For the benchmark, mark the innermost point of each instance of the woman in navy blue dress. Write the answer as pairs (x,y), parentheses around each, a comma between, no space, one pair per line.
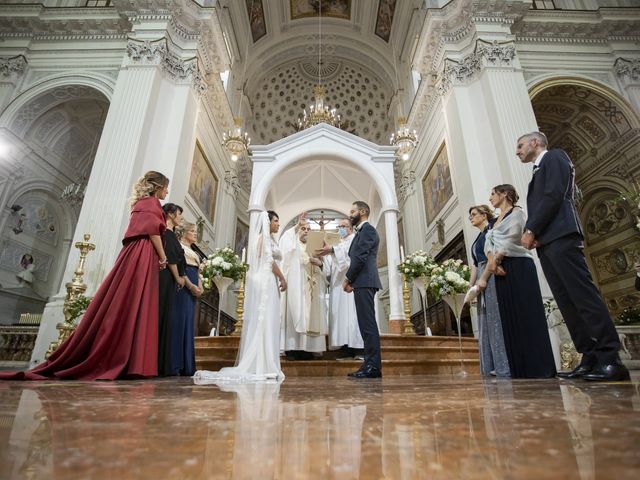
(183,316)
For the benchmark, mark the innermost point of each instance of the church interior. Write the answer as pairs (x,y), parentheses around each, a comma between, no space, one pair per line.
(412,106)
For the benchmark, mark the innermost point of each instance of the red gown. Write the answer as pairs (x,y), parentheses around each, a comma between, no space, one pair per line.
(118,335)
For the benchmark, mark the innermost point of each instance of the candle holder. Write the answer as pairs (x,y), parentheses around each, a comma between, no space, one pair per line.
(240,307)
(408,329)
(75,288)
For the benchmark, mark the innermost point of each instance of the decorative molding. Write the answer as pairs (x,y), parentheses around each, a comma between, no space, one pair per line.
(13,66)
(157,52)
(499,54)
(231,183)
(406,186)
(627,69)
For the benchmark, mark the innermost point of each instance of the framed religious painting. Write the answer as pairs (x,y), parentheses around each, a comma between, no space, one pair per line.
(436,184)
(242,237)
(203,184)
(258,25)
(384,19)
(312,8)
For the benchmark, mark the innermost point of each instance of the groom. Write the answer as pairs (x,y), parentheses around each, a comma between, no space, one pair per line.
(362,279)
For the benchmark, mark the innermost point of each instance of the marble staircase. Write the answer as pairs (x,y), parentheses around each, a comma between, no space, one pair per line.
(400,356)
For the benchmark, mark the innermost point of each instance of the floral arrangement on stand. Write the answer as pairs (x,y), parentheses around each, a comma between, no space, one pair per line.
(223,262)
(449,278)
(628,316)
(418,264)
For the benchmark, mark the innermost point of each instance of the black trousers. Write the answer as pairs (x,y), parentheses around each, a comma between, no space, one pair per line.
(365,309)
(579,300)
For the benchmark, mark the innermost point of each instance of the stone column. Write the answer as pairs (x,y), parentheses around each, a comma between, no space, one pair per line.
(396,316)
(628,76)
(488,89)
(10,70)
(150,125)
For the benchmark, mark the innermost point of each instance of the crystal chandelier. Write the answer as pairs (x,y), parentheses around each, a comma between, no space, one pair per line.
(319,113)
(405,139)
(236,141)
(74,192)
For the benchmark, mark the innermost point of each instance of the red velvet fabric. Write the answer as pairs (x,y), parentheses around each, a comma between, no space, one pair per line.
(118,335)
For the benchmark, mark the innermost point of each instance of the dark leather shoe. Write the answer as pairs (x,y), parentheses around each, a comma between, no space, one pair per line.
(369,371)
(577,372)
(614,372)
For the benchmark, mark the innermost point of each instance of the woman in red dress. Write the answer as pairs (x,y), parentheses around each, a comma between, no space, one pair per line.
(118,335)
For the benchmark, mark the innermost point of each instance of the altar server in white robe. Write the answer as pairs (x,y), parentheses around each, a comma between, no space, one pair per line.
(303,307)
(343,319)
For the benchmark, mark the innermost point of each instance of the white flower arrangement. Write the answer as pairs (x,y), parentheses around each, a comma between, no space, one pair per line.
(417,264)
(449,278)
(223,262)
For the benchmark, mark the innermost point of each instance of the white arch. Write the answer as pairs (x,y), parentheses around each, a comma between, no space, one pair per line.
(323,142)
(99,82)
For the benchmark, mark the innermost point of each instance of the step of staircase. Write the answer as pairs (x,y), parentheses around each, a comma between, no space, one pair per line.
(401,355)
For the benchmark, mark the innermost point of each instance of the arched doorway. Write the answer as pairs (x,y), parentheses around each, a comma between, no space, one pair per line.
(325,167)
(49,138)
(601,134)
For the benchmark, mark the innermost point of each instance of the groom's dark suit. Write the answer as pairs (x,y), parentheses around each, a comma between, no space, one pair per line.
(363,278)
(553,219)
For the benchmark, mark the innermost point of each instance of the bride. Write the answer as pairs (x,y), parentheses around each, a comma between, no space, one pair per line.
(259,355)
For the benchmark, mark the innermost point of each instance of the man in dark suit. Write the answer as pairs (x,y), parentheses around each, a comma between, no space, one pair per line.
(554,229)
(362,279)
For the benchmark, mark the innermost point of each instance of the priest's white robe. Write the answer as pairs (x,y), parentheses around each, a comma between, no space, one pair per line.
(303,305)
(343,319)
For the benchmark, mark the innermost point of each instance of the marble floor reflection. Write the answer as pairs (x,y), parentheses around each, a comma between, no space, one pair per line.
(397,428)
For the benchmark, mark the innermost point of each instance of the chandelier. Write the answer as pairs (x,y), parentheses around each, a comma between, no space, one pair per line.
(319,113)
(405,139)
(74,192)
(236,141)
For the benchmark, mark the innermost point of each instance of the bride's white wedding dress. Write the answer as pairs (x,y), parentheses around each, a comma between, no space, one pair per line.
(259,355)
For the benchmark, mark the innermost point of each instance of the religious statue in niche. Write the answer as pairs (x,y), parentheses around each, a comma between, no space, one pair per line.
(25,276)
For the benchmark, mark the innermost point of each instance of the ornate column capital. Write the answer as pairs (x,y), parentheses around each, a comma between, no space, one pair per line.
(486,54)
(176,68)
(627,70)
(12,67)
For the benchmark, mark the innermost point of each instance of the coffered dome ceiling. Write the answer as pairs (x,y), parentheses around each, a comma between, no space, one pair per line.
(276,48)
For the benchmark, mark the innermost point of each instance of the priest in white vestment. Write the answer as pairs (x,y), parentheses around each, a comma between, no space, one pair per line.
(343,319)
(303,305)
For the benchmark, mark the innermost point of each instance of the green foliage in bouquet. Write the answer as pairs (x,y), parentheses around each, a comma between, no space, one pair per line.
(77,307)
(629,316)
(223,262)
(416,265)
(448,278)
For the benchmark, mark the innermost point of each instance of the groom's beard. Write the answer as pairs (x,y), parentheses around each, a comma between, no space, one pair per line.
(355,220)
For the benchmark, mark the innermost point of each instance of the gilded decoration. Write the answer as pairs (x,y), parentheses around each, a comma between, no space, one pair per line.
(606,216)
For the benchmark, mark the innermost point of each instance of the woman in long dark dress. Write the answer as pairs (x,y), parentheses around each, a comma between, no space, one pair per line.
(493,356)
(118,334)
(183,360)
(524,324)
(171,280)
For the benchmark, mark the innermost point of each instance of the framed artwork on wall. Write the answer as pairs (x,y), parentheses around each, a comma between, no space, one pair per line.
(255,10)
(384,19)
(436,184)
(203,184)
(242,236)
(311,8)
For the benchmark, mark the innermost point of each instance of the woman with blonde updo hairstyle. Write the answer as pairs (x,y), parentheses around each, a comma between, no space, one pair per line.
(182,335)
(118,334)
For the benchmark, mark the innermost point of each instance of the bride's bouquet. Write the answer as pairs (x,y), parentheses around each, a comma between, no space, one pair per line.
(449,278)
(221,263)
(417,264)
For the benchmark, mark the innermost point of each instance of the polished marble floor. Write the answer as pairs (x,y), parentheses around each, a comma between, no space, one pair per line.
(431,427)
